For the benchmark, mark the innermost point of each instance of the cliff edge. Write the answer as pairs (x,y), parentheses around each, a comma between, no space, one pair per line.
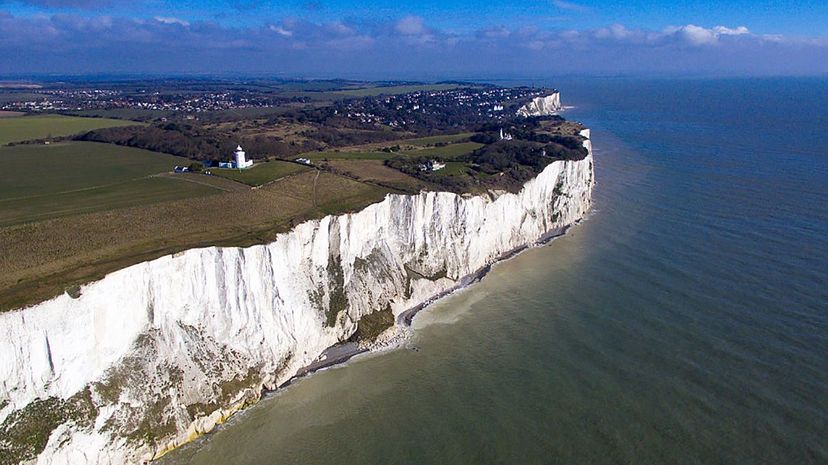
(540,106)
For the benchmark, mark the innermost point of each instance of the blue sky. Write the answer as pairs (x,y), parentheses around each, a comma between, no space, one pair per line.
(426,39)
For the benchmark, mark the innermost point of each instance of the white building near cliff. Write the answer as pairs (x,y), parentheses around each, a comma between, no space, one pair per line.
(240,159)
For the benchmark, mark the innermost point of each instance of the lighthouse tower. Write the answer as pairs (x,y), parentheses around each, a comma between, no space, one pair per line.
(241,159)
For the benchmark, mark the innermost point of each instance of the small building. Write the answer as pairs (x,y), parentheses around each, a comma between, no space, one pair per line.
(241,160)
(505,135)
(432,165)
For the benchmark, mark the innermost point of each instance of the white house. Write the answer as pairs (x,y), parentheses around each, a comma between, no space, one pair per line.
(432,165)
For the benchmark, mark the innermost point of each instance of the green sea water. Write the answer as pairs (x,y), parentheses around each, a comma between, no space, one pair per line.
(684,322)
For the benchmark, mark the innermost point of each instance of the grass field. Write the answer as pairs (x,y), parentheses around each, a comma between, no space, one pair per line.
(410,144)
(431,140)
(45,181)
(453,168)
(43,259)
(446,153)
(375,171)
(135,114)
(45,126)
(343,155)
(261,173)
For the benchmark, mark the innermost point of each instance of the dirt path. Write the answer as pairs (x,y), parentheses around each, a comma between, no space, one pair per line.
(222,184)
(315,180)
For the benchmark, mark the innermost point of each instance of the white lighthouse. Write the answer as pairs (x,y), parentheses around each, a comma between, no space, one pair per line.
(241,160)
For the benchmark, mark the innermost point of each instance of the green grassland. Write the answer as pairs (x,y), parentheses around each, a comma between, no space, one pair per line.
(45,126)
(412,143)
(261,173)
(44,258)
(106,197)
(375,172)
(343,155)
(135,114)
(45,181)
(453,168)
(446,153)
(431,140)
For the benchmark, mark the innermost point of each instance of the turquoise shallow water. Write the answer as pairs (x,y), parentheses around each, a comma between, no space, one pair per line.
(686,321)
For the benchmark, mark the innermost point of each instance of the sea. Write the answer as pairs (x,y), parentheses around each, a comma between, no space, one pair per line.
(685,321)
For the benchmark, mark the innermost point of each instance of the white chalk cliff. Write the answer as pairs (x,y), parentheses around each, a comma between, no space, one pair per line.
(540,106)
(155,354)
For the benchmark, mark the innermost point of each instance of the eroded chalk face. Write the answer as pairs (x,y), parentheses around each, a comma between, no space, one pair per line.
(541,106)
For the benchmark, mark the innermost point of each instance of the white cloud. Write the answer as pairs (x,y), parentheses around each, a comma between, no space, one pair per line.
(616,31)
(280,30)
(171,20)
(564,5)
(304,45)
(410,26)
(494,33)
(338,27)
(726,31)
(697,35)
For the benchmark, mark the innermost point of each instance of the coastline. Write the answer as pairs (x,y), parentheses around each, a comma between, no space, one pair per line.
(162,301)
(341,353)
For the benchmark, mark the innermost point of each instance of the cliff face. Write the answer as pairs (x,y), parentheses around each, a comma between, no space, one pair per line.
(540,106)
(155,354)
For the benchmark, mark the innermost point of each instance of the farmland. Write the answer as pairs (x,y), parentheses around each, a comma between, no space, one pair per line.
(375,171)
(443,152)
(49,258)
(47,126)
(446,152)
(261,173)
(46,181)
(347,155)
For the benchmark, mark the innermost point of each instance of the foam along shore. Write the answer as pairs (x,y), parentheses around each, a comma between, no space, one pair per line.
(158,353)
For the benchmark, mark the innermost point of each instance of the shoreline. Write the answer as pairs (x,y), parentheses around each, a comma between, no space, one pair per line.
(341,353)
